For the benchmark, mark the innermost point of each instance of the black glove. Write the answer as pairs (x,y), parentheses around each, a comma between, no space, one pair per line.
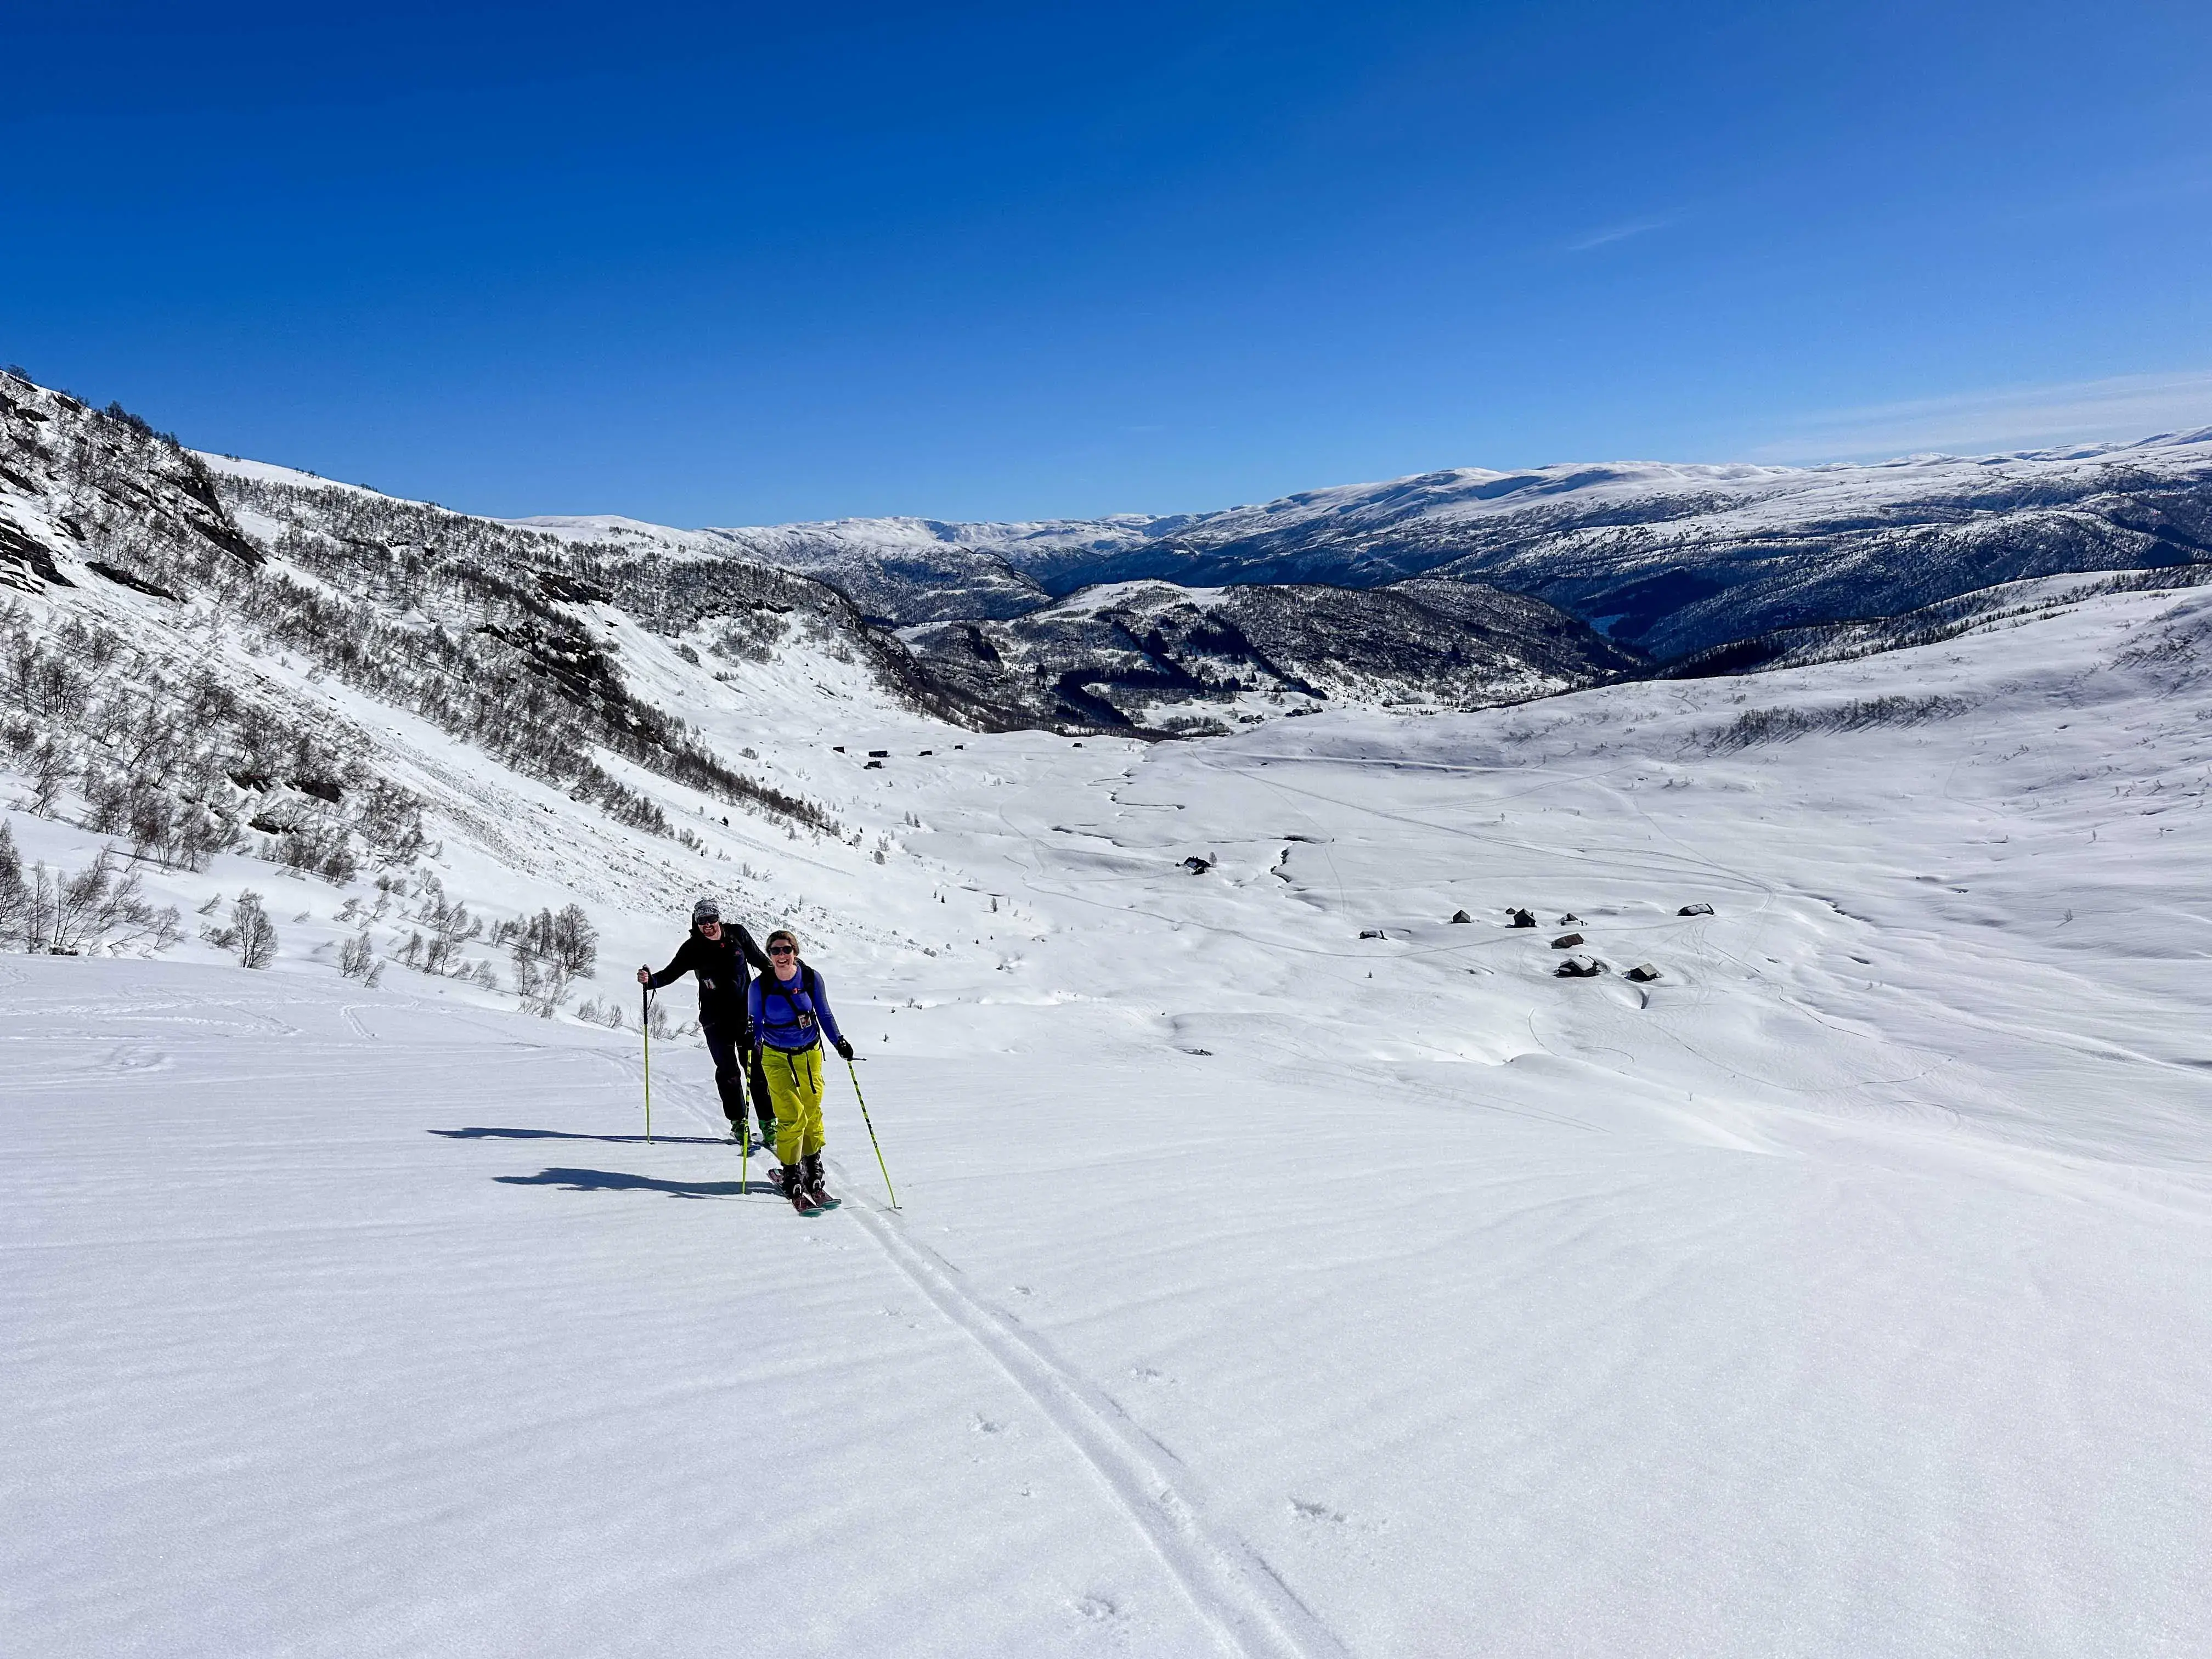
(844,1048)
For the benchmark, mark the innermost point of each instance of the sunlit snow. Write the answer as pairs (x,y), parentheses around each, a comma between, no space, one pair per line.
(1259,1288)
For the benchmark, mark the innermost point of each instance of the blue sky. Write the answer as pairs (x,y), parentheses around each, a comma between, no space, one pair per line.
(727,264)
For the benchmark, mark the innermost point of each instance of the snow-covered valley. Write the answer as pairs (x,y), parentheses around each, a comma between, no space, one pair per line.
(1282,1267)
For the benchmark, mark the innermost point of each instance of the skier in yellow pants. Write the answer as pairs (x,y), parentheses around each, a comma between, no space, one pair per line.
(794,1087)
(790,1013)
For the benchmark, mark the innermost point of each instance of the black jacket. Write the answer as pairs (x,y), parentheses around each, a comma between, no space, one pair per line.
(721,966)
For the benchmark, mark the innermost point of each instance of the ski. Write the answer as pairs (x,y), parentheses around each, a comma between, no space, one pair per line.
(801,1200)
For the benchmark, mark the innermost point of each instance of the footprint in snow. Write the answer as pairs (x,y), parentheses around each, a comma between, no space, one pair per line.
(1096,1609)
(1305,1511)
(983,1425)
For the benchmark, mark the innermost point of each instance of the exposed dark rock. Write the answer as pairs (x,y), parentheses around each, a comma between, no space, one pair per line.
(34,564)
(558,585)
(124,579)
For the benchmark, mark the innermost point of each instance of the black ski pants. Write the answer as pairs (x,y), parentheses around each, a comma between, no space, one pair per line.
(731,1046)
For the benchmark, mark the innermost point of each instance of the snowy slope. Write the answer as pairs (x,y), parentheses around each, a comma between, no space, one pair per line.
(1260,1288)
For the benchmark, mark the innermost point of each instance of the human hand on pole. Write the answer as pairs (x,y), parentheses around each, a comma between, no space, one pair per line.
(844,1049)
(645,977)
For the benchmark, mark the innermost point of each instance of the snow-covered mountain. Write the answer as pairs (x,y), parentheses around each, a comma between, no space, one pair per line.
(1673,559)
(1667,558)
(905,570)
(1167,657)
(207,661)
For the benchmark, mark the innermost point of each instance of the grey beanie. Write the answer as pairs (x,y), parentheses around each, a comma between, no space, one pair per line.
(705,910)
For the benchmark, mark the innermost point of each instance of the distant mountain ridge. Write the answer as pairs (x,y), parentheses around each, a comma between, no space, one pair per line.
(905,570)
(1667,558)
(506,635)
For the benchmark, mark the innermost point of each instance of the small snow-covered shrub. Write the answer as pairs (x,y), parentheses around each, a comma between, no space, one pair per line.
(99,908)
(251,933)
(357,958)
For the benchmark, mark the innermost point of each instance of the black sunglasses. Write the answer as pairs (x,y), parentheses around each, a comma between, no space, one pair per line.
(782,951)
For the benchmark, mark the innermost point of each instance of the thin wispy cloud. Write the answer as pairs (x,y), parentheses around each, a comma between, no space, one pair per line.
(2114,409)
(1620,233)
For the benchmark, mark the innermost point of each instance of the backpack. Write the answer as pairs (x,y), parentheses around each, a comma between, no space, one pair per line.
(809,985)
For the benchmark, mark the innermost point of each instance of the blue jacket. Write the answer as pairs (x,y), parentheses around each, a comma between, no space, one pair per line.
(791,1018)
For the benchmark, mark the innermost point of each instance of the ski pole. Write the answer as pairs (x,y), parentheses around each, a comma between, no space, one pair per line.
(872,1141)
(645,1023)
(746,1146)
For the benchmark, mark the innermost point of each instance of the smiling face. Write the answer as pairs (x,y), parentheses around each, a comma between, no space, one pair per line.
(783,952)
(711,929)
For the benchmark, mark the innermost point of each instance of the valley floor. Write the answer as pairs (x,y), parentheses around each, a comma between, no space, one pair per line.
(1259,1288)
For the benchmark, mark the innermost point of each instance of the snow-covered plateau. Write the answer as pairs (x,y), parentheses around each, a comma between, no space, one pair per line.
(1281,1267)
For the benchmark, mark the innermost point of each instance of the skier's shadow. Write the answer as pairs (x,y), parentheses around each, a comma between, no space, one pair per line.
(614,1181)
(562,1134)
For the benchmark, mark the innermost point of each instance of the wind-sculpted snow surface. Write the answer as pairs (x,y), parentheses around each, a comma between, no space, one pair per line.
(1284,1267)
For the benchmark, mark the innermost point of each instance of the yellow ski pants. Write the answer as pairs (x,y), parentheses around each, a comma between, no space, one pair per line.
(794,1087)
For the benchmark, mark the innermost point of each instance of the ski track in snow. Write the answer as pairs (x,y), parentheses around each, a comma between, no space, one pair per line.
(1250,1610)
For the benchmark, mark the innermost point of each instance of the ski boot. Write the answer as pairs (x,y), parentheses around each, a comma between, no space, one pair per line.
(810,1172)
(793,1184)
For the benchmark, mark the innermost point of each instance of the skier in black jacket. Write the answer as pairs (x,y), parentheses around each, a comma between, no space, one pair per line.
(717,953)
